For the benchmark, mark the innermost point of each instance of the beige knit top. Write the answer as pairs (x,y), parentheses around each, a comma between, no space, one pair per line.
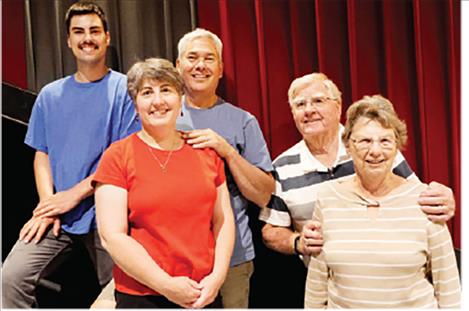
(380,254)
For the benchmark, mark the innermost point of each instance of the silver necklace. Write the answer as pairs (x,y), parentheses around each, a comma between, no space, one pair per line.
(162,165)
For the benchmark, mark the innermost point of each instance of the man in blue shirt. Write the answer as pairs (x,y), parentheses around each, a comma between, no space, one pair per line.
(73,121)
(210,122)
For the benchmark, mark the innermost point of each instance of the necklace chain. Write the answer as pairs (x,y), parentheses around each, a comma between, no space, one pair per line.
(165,164)
(162,165)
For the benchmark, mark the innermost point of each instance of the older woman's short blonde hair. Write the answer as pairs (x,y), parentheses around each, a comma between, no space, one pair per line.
(153,69)
(315,77)
(379,109)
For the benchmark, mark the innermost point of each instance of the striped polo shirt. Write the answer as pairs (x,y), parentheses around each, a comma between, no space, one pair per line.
(297,176)
(390,256)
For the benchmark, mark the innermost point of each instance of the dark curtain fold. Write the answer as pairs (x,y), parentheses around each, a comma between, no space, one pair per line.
(408,51)
(139,29)
(13,44)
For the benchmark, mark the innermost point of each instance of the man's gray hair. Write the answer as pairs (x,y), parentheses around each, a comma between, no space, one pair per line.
(196,34)
(301,82)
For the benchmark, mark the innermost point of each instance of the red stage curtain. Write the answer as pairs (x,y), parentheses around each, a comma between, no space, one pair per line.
(13,43)
(408,51)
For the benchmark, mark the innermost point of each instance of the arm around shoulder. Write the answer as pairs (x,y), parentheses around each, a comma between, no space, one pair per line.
(437,201)
(252,168)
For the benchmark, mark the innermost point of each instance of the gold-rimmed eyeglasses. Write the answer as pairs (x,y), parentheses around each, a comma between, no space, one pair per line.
(318,102)
(365,143)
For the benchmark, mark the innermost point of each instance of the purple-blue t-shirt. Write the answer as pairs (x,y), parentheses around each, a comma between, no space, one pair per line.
(241,130)
(74,123)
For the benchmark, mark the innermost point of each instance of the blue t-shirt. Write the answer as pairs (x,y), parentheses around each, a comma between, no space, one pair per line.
(241,130)
(74,123)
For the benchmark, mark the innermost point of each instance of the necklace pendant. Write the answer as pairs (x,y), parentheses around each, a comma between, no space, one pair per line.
(163,166)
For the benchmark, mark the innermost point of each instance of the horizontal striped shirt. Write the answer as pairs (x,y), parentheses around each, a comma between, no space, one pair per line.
(390,256)
(297,176)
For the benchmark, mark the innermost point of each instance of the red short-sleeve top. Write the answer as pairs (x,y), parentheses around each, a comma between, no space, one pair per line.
(169,213)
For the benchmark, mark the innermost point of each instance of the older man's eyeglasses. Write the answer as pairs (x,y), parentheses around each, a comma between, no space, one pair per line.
(318,102)
(365,143)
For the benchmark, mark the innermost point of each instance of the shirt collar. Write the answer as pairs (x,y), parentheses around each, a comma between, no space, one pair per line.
(188,107)
(309,161)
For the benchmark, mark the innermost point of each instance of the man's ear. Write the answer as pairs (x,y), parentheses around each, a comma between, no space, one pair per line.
(339,108)
(221,71)
(347,147)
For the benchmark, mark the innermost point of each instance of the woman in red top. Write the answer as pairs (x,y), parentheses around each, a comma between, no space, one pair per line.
(162,207)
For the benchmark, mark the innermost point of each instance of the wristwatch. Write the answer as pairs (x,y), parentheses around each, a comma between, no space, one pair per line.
(295,245)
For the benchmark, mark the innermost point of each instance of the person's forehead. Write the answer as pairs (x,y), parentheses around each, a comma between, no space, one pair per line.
(89,20)
(154,82)
(312,89)
(364,124)
(201,44)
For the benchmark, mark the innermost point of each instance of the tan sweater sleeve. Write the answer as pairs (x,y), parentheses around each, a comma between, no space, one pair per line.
(316,282)
(443,266)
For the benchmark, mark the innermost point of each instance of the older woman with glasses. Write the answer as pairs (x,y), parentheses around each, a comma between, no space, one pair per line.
(162,207)
(380,250)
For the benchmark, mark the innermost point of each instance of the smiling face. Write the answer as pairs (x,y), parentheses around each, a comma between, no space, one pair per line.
(314,120)
(372,148)
(87,39)
(158,104)
(200,66)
